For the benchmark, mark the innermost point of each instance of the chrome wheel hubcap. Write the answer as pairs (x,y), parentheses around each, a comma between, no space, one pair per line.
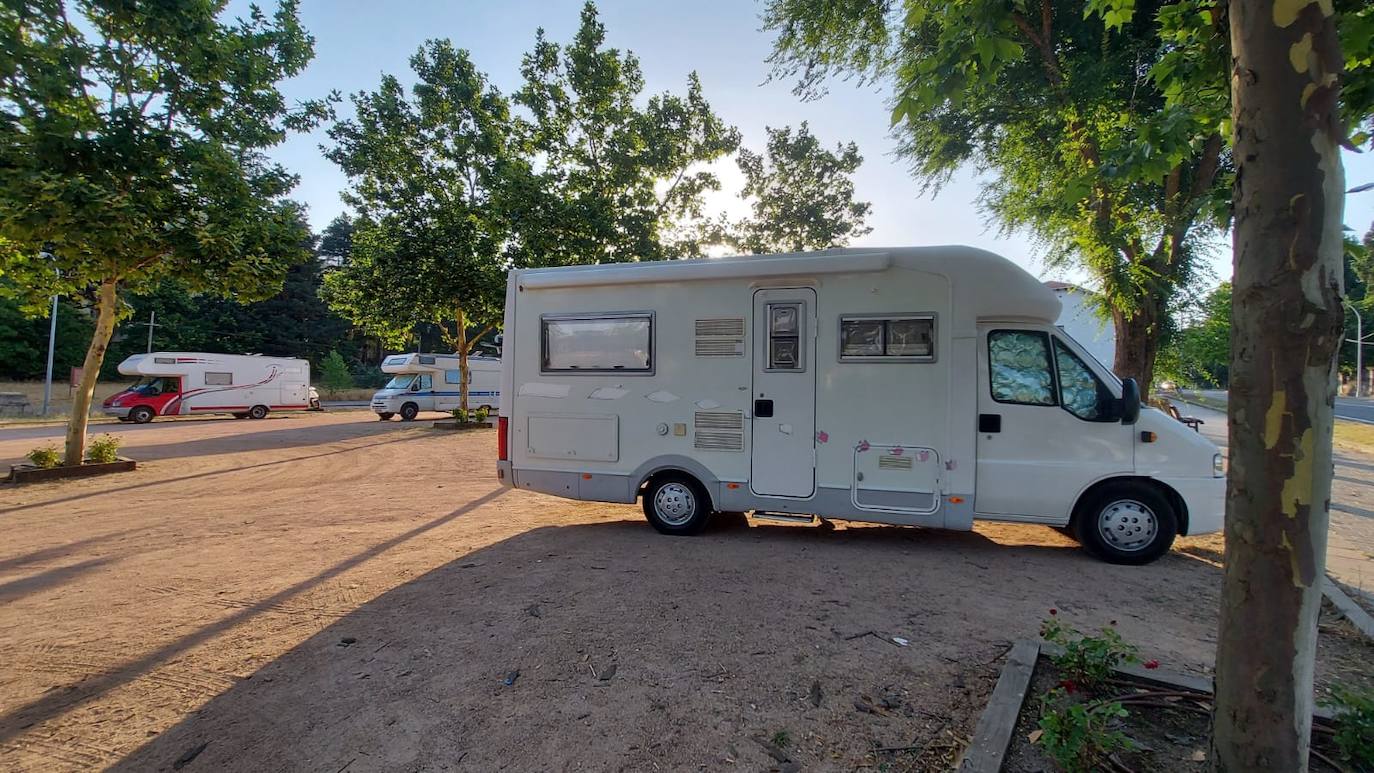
(675,504)
(1127,525)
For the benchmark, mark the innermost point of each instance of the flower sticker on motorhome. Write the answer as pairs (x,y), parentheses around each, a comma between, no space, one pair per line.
(822,436)
(896,451)
(863,446)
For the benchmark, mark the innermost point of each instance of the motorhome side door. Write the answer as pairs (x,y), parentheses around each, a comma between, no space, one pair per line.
(1047,426)
(784,393)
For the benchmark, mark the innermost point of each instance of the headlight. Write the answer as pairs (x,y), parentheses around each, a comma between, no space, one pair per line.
(1218,466)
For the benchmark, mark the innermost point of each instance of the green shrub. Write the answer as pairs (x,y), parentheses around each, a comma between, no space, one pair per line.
(103,449)
(46,457)
(480,415)
(1354,711)
(1087,661)
(334,374)
(461,415)
(1080,736)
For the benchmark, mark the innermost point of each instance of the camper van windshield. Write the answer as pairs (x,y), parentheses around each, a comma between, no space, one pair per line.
(154,385)
(400,382)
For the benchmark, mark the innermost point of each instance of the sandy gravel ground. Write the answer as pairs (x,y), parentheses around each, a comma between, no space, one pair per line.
(331,593)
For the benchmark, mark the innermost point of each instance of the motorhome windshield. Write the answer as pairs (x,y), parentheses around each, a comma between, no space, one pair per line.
(400,382)
(155,385)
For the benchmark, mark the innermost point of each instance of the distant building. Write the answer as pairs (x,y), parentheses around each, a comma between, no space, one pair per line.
(1081,321)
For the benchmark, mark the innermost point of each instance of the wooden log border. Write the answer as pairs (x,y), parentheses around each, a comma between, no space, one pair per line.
(27,473)
(1348,607)
(992,737)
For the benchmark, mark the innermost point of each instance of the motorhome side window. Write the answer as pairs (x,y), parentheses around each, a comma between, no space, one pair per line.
(620,343)
(895,338)
(453,377)
(218,379)
(1019,362)
(1080,392)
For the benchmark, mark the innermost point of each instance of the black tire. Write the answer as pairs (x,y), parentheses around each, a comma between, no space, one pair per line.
(257,412)
(240,415)
(385,416)
(1127,522)
(677,505)
(141,414)
(409,411)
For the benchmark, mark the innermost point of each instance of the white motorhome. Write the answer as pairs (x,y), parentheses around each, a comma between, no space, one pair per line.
(186,383)
(920,386)
(431,382)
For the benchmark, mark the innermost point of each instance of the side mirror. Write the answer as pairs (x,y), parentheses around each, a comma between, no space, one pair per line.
(1130,401)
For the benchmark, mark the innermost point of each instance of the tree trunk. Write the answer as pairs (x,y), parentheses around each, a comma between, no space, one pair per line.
(1137,343)
(1286,323)
(463,373)
(90,373)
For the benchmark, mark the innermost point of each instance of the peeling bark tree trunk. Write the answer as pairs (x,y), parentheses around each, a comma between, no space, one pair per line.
(1137,343)
(463,372)
(90,373)
(1286,329)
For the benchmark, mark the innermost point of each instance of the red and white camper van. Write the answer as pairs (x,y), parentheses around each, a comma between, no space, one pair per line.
(189,383)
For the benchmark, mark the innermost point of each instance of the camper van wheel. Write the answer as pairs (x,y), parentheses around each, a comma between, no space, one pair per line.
(257,412)
(676,504)
(385,416)
(141,414)
(1127,522)
(409,411)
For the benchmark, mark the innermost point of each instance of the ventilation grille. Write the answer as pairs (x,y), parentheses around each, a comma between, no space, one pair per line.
(720,337)
(719,431)
(894,462)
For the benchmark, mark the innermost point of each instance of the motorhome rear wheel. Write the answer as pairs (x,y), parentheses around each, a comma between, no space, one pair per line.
(676,504)
(257,412)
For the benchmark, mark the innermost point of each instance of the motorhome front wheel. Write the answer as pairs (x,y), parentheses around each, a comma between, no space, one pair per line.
(1128,523)
(141,414)
(676,505)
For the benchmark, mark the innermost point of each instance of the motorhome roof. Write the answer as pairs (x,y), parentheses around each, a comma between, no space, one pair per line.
(985,285)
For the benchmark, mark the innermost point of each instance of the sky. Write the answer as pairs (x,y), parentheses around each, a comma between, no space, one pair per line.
(357,41)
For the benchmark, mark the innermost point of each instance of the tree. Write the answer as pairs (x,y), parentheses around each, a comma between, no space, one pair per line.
(131,142)
(803,194)
(336,241)
(1200,353)
(425,168)
(334,374)
(1100,124)
(1287,134)
(606,178)
(24,340)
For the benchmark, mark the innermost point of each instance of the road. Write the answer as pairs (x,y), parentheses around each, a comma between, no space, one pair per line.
(1359,409)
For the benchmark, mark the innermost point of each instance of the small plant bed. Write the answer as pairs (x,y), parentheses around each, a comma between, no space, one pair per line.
(463,420)
(102,457)
(1082,712)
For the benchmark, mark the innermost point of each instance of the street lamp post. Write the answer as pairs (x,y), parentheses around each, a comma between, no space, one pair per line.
(1359,342)
(52,341)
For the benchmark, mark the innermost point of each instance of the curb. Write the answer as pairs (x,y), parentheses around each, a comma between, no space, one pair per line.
(1348,607)
(992,737)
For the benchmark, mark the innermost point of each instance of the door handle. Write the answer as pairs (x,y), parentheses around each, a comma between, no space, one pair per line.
(763,409)
(989,422)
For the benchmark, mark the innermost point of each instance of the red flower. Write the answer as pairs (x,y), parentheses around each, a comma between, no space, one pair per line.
(1151,664)
(1054,611)
(1069,686)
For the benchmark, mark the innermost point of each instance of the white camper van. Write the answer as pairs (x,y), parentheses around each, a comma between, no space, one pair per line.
(185,383)
(430,382)
(921,386)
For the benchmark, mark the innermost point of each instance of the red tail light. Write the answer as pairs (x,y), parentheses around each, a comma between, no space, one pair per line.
(503,439)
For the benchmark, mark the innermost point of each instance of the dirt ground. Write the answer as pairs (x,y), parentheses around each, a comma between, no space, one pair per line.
(333,593)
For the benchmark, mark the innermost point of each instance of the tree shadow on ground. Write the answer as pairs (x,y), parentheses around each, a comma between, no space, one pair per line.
(207,474)
(608,646)
(276,438)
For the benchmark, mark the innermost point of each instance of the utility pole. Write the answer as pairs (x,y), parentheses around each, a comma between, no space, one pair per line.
(52,342)
(150,324)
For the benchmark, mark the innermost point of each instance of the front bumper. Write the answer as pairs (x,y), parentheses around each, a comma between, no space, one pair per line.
(120,411)
(1205,499)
